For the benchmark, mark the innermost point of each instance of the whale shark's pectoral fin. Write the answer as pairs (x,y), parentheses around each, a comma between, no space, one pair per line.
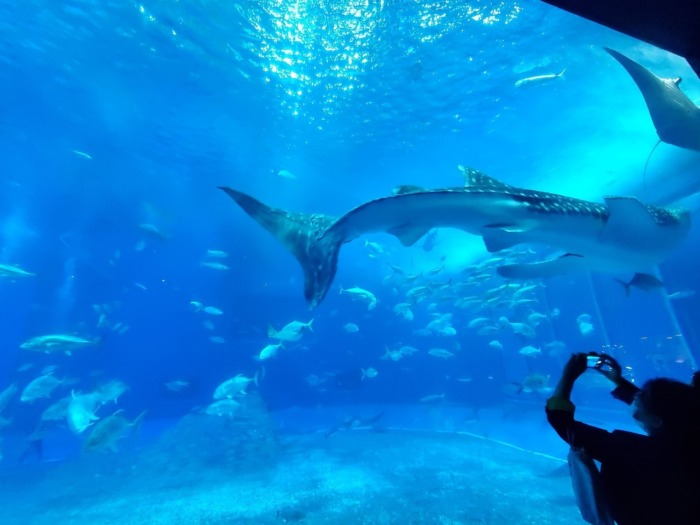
(567,263)
(499,237)
(408,234)
(630,222)
(675,117)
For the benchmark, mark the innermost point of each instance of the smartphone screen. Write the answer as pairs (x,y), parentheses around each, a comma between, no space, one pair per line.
(592,360)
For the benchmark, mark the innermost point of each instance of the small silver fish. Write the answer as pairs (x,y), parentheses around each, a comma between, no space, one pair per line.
(217,254)
(433,398)
(370,372)
(215,266)
(234,386)
(292,331)
(212,310)
(539,78)
(683,294)
(441,353)
(81,154)
(351,328)
(178,385)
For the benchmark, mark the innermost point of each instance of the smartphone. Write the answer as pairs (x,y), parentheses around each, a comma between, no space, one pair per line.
(593,361)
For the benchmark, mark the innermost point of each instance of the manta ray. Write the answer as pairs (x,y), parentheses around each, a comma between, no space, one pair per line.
(676,118)
(622,235)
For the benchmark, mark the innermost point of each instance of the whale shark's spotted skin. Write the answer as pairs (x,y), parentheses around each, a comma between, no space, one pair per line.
(544,202)
(541,203)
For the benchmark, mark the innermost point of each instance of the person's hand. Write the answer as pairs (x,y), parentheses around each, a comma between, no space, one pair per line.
(610,368)
(575,366)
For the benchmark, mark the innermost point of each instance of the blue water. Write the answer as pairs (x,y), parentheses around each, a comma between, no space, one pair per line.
(117,114)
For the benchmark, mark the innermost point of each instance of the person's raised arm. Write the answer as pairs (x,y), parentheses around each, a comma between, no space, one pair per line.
(575,366)
(625,391)
(560,412)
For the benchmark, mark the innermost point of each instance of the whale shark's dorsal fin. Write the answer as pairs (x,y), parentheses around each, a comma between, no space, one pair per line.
(407,188)
(474,178)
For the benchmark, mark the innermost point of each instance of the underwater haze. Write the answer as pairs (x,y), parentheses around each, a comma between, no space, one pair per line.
(168,360)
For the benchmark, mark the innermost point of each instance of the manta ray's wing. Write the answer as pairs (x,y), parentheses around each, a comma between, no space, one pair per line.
(669,24)
(676,118)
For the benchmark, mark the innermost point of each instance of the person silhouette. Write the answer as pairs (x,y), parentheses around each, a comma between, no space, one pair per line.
(645,479)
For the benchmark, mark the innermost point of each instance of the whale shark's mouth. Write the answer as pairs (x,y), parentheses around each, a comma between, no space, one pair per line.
(622,235)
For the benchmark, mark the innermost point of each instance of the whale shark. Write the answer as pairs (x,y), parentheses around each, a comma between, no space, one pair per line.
(675,117)
(622,235)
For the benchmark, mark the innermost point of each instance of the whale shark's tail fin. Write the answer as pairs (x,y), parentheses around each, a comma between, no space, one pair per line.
(307,236)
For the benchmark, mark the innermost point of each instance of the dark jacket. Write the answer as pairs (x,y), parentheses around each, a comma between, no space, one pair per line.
(646,480)
(625,391)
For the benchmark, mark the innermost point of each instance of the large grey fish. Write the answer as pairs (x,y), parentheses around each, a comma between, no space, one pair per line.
(14,271)
(107,433)
(6,395)
(58,343)
(622,235)
(675,117)
(643,281)
(43,386)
